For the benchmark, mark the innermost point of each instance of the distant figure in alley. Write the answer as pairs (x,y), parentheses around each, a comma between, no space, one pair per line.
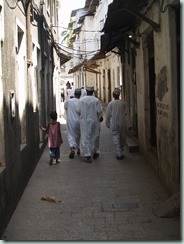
(117,120)
(69,91)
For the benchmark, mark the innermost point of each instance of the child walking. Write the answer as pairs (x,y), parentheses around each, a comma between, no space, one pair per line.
(54,138)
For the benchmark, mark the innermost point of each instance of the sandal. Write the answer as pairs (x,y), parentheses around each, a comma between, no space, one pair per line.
(72,154)
(96,155)
(119,157)
(78,151)
(87,160)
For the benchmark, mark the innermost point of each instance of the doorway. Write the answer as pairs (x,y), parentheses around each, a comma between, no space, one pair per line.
(152,89)
(109,85)
(104,91)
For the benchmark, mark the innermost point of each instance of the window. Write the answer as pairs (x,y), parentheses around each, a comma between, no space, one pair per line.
(1,21)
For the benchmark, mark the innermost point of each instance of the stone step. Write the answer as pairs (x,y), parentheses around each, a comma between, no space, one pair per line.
(132,144)
(170,208)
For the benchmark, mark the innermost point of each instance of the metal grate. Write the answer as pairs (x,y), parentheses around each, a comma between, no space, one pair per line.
(124,205)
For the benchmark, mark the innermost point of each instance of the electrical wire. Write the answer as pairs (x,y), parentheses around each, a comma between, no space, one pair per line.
(70,51)
(70,29)
(84,42)
(14,7)
(62,46)
(79,54)
(73,53)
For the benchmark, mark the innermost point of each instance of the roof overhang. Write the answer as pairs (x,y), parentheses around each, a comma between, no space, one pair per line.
(63,58)
(91,70)
(97,56)
(89,65)
(126,14)
(110,41)
(122,18)
(76,67)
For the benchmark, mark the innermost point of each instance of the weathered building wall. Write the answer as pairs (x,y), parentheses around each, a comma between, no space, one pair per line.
(26,88)
(2,144)
(110,76)
(163,52)
(17,167)
(167,82)
(129,84)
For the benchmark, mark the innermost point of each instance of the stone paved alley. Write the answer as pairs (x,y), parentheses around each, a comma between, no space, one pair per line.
(106,200)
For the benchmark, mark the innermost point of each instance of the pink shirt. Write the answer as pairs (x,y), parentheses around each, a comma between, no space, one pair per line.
(54,139)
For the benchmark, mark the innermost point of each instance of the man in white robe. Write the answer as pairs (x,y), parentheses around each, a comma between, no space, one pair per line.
(117,120)
(90,111)
(73,125)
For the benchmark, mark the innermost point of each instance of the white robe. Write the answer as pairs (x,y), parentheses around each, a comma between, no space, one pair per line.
(117,120)
(73,125)
(83,92)
(69,93)
(90,110)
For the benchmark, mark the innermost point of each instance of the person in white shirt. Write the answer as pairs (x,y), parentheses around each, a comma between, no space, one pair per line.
(69,91)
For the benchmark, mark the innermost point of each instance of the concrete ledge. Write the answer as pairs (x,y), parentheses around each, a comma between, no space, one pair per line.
(132,144)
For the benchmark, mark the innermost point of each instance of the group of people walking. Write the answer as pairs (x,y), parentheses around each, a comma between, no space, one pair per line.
(84,116)
(83,124)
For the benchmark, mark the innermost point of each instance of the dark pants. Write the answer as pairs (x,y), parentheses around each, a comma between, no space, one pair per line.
(54,153)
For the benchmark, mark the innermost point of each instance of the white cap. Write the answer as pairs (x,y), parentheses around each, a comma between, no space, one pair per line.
(117,91)
(90,88)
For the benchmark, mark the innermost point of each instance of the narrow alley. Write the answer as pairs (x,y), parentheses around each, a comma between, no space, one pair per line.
(107,200)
